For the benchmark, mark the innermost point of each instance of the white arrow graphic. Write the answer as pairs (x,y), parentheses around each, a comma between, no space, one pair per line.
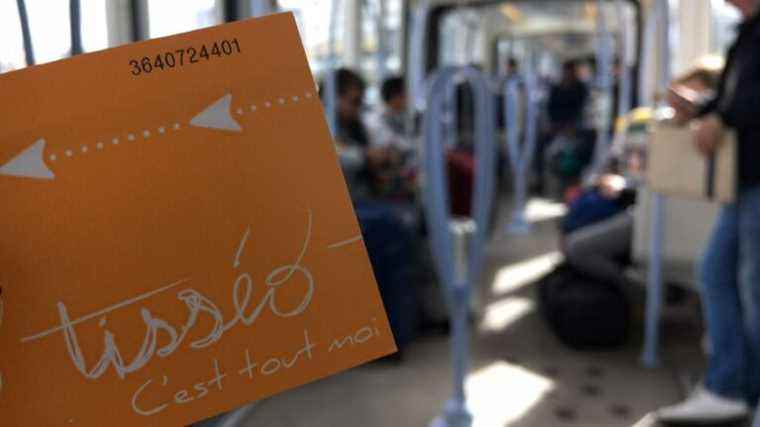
(29,163)
(217,116)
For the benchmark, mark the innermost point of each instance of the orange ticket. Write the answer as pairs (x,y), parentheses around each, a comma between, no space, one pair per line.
(177,236)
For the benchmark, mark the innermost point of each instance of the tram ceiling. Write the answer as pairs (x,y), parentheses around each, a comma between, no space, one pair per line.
(522,18)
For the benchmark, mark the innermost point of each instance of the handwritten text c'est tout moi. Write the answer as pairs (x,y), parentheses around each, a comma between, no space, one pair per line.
(197,305)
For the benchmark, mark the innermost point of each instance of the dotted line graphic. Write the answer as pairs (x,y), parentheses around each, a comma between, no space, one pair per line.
(280,101)
(145,134)
(151,134)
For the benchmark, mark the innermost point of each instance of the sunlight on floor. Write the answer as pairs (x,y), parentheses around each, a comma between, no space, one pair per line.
(539,210)
(514,277)
(500,315)
(500,393)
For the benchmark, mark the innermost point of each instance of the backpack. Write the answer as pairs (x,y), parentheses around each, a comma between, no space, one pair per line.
(583,313)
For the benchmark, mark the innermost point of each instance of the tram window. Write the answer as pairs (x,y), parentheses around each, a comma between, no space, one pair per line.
(462,38)
(94,25)
(50,28)
(371,55)
(167,17)
(12,46)
(313,18)
(724,20)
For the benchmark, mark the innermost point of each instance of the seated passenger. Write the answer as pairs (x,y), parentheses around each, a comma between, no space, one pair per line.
(599,229)
(388,234)
(372,170)
(599,226)
(387,125)
(351,138)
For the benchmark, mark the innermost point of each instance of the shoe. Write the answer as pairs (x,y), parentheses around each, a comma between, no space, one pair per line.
(704,408)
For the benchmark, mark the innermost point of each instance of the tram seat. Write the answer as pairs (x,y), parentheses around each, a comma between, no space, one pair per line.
(687,227)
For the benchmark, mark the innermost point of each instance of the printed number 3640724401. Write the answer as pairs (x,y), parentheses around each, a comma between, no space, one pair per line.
(182,57)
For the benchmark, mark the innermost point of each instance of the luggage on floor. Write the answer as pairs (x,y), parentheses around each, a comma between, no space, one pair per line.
(583,313)
(389,242)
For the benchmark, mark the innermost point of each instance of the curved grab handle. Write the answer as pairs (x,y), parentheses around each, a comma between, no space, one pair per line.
(436,199)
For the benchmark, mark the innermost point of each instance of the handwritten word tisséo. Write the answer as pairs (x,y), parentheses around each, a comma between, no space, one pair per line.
(246,313)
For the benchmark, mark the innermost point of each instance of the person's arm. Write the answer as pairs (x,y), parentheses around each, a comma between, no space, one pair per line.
(711,106)
(744,108)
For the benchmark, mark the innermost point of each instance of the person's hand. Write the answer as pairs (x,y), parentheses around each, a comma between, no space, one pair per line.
(683,100)
(708,133)
(610,186)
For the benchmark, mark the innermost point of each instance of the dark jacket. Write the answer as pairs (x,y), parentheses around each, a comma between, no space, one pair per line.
(566,104)
(738,99)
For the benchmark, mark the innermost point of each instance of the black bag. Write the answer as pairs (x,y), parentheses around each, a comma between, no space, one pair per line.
(584,314)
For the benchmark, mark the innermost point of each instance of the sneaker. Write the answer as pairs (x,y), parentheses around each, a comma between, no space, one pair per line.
(703,408)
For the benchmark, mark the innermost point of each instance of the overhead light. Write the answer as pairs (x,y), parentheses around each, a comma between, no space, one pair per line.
(512,12)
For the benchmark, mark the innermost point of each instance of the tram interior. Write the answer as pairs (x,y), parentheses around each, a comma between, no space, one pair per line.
(521,373)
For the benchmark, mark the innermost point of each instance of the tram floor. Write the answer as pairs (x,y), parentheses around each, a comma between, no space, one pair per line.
(521,375)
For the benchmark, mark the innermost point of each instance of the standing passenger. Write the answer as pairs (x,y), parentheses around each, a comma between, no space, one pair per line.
(730,272)
(565,107)
(567,100)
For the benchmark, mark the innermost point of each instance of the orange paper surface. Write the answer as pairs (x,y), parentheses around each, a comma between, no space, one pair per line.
(176,239)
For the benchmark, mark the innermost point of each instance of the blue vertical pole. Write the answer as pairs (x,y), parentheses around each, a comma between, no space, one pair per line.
(417,58)
(382,42)
(75,20)
(650,355)
(624,94)
(521,143)
(26,32)
(624,89)
(456,413)
(604,59)
(330,84)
